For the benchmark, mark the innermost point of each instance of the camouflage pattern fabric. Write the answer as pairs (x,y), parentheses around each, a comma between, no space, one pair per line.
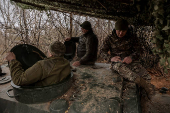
(87,48)
(123,47)
(131,71)
(149,60)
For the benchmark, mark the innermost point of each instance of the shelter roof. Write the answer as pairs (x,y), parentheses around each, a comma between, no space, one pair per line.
(135,11)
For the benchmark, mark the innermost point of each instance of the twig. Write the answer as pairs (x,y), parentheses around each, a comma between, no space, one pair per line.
(9,45)
(102,5)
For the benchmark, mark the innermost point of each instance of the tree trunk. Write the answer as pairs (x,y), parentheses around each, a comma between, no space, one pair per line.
(25,26)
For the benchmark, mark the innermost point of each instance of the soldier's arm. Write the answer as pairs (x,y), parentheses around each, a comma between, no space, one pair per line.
(105,49)
(136,48)
(21,77)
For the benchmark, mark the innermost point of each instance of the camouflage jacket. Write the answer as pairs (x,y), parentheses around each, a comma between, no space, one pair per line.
(123,47)
(87,48)
(45,72)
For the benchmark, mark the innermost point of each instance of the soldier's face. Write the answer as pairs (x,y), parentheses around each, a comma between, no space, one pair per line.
(121,33)
(84,31)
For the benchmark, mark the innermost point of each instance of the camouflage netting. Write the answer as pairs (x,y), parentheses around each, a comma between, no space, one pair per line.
(148,59)
(136,11)
(161,35)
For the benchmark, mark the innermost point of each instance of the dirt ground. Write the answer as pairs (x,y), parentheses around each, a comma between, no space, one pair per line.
(159,80)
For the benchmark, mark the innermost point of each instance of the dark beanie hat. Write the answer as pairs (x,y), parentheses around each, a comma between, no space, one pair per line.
(57,48)
(86,25)
(121,24)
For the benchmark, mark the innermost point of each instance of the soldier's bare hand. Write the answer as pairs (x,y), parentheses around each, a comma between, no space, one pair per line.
(116,59)
(67,39)
(127,60)
(10,56)
(76,63)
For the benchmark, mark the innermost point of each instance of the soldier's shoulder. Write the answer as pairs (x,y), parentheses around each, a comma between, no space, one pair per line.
(44,61)
(110,37)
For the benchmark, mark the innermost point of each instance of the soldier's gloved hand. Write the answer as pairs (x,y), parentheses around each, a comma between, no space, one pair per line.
(116,59)
(127,60)
(67,39)
(10,56)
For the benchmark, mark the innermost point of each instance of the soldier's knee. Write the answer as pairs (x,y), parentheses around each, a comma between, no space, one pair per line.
(117,65)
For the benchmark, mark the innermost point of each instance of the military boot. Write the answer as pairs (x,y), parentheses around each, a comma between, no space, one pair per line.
(148,87)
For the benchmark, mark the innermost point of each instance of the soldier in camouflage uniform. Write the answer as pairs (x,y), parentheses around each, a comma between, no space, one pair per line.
(87,45)
(124,54)
(45,72)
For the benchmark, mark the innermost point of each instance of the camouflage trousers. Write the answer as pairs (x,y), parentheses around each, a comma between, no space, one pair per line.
(131,71)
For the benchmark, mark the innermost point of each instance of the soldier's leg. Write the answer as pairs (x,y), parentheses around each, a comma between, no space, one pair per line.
(140,70)
(127,73)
